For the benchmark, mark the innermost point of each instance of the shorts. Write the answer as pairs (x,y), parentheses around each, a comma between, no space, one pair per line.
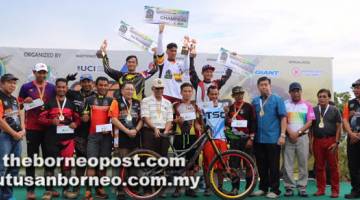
(99,145)
(66,150)
(209,154)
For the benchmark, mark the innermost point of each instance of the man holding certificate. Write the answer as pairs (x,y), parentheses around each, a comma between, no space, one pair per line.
(207,71)
(100,138)
(189,120)
(172,72)
(60,118)
(137,78)
(32,97)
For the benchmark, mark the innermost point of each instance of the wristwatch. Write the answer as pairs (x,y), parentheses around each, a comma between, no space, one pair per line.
(300,133)
(283,135)
(337,142)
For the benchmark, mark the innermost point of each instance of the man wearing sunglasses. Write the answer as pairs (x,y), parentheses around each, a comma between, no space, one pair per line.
(326,135)
(351,116)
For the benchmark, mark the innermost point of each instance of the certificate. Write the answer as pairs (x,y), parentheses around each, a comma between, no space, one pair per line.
(103,128)
(188,116)
(64,130)
(156,15)
(239,123)
(34,104)
(129,33)
(235,62)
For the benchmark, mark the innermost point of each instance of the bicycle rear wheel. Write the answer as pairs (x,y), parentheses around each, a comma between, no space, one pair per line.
(228,181)
(142,192)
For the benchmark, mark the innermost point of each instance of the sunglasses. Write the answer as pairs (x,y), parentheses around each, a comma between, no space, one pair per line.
(160,88)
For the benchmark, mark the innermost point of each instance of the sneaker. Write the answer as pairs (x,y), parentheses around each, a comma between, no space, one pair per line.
(101,194)
(47,195)
(289,192)
(235,191)
(352,195)
(190,193)
(69,194)
(303,193)
(30,196)
(176,194)
(334,195)
(207,192)
(318,193)
(272,195)
(88,195)
(55,193)
(257,193)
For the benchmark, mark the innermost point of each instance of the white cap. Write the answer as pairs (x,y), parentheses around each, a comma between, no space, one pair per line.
(157,83)
(40,67)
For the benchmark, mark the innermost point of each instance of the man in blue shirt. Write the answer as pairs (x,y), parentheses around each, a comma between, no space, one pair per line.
(270,135)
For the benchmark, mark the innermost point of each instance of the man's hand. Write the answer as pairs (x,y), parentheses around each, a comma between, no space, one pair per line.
(85,118)
(71,77)
(132,133)
(249,144)
(293,136)
(28,100)
(73,125)
(103,48)
(19,135)
(157,132)
(354,138)
(179,120)
(55,121)
(161,28)
(333,148)
(281,141)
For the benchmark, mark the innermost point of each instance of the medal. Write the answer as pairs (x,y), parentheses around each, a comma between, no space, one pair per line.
(262,113)
(41,93)
(322,124)
(128,110)
(129,118)
(61,109)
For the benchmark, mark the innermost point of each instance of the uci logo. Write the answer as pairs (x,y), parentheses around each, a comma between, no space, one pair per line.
(217,114)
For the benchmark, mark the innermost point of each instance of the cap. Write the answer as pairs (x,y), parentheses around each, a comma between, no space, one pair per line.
(295,85)
(357,82)
(40,67)
(86,77)
(207,67)
(8,77)
(237,89)
(157,83)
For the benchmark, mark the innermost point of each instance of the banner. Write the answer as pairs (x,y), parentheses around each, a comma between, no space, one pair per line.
(313,73)
(236,62)
(131,34)
(155,15)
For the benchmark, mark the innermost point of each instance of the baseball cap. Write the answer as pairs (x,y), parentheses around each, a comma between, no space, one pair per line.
(357,82)
(40,67)
(237,89)
(295,85)
(8,77)
(157,83)
(207,67)
(86,77)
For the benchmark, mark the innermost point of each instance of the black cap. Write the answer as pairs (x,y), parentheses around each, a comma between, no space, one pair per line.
(356,83)
(237,89)
(295,85)
(208,67)
(8,77)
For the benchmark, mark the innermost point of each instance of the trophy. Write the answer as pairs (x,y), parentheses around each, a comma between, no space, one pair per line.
(193,48)
(185,47)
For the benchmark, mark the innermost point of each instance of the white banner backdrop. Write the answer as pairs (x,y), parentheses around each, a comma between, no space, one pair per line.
(312,72)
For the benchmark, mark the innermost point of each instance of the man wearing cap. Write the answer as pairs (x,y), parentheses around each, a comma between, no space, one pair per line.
(32,97)
(300,115)
(207,71)
(351,116)
(137,78)
(12,130)
(270,135)
(157,113)
(240,130)
(81,132)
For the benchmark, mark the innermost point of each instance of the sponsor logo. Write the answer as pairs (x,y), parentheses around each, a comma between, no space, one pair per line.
(299,62)
(42,54)
(272,73)
(90,68)
(297,72)
(217,114)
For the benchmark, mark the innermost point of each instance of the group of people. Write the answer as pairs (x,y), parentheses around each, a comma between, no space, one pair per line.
(64,123)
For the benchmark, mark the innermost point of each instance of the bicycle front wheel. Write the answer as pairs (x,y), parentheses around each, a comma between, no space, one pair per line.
(233,175)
